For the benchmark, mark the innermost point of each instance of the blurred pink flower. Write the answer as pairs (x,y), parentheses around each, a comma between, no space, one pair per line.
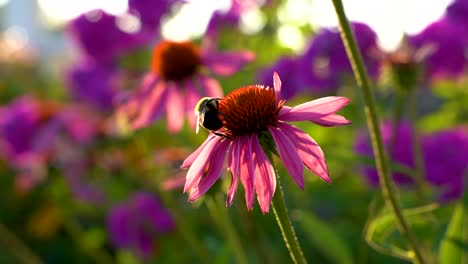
(250,114)
(180,72)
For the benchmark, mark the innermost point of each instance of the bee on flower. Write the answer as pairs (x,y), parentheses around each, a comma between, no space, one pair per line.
(239,122)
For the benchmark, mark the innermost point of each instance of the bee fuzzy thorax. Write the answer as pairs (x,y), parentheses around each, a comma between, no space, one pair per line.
(207,113)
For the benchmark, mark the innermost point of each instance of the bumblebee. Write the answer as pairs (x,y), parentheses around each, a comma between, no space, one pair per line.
(208,114)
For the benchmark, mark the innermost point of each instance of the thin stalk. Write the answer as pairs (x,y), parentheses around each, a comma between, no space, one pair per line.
(396,118)
(221,218)
(17,247)
(388,189)
(418,157)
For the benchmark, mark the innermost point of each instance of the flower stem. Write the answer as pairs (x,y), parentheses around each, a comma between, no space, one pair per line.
(388,189)
(221,218)
(418,157)
(285,225)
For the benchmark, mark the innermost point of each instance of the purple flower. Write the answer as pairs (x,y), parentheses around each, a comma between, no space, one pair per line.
(457,12)
(180,73)
(101,38)
(444,156)
(247,113)
(149,11)
(448,49)
(290,77)
(325,61)
(401,152)
(446,161)
(93,83)
(137,223)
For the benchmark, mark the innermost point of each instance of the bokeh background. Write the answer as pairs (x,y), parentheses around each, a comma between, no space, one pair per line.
(79,185)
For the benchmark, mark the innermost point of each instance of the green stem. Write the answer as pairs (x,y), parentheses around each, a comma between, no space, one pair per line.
(17,247)
(396,118)
(285,225)
(388,189)
(221,218)
(418,157)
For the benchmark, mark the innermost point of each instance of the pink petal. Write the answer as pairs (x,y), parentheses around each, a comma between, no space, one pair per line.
(288,154)
(264,180)
(174,110)
(227,63)
(214,171)
(315,109)
(246,168)
(197,169)
(277,86)
(332,120)
(211,86)
(191,101)
(234,164)
(191,158)
(151,106)
(309,151)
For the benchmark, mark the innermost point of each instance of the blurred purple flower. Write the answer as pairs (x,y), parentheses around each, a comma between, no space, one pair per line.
(291,79)
(102,37)
(401,152)
(149,12)
(93,83)
(457,12)
(325,61)
(444,153)
(180,75)
(137,223)
(446,161)
(448,45)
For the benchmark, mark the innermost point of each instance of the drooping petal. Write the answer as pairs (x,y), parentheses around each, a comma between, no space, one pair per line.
(211,87)
(198,167)
(309,151)
(174,110)
(246,168)
(152,106)
(192,99)
(227,63)
(314,109)
(191,158)
(215,166)
(332,120)
(277,87)
(264,179)
(288,154)
(234,165)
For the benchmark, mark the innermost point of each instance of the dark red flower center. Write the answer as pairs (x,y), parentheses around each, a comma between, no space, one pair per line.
(248,110)
(175,61)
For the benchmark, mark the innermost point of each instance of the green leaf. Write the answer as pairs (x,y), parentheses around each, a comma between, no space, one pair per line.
(325,239)
(454,246)
(381,231)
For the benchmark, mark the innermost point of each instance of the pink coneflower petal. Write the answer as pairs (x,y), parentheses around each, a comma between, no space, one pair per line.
(174,110)
(246,168)
(309,151)
(212,87)
(314,109)
(332,120)
(234,167)
(288,154)
(152,107)
(192,157)
(277,87)
(198,167)
(227,63)
(265,179)
(192,98)
(216,165)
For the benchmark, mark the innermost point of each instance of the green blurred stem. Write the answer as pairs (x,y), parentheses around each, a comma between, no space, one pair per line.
(183,229)
(221,218)
(388,189)
(418,157)
(17,247)
(396,118)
